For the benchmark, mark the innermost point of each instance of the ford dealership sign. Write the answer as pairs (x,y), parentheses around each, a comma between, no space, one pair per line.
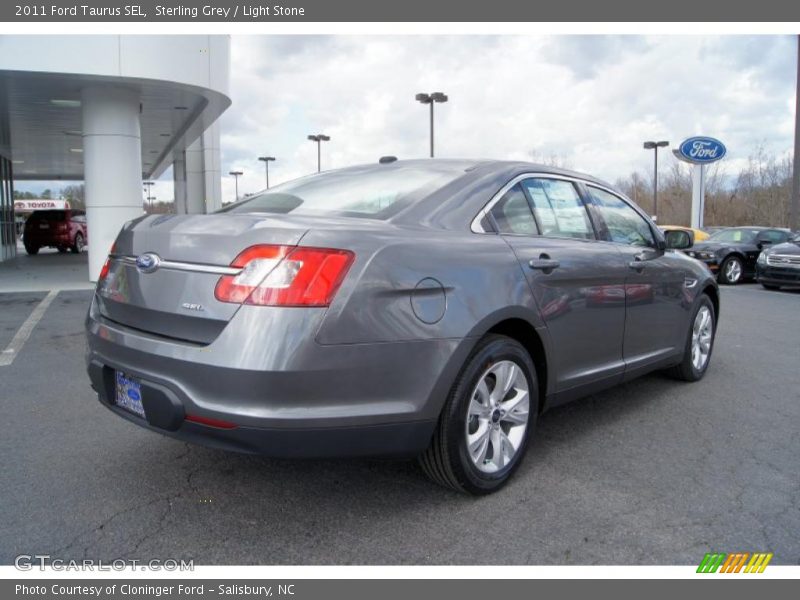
(701,150)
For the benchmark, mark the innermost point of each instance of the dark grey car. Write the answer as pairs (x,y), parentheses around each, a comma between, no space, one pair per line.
(429,308)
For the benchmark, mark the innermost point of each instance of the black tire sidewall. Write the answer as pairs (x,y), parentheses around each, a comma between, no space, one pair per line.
(492,350)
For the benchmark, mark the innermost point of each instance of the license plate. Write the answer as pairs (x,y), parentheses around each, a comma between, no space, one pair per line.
(129,394)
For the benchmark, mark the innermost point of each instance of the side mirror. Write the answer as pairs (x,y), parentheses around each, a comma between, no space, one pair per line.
(678,240)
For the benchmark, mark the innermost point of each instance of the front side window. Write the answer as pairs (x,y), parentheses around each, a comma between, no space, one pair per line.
(558,208)
(624,224)
(512,214)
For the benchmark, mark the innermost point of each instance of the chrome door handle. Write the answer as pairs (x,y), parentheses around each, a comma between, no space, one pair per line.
(543,264)
(637,264)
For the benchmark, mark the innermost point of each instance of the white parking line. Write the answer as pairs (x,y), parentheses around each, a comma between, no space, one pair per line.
(10,353)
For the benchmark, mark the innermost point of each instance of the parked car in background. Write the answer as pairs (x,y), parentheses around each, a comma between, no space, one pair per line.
(61,229)
(779,266)
(709,229)
(699,234)
(731,253)
(424,308)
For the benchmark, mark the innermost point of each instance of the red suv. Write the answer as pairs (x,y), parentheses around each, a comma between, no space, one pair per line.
(62,229)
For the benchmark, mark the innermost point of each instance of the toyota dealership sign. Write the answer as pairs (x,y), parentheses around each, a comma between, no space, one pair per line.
(24,206)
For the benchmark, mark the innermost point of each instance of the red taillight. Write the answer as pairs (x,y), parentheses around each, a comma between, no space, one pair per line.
(218,423)
(107,264)
(285,276)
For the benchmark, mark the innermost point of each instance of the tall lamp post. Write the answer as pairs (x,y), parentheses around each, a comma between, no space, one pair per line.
(794,204)
(431,99)
(319,138)
(236,175)
(266,160)
(655,146)
(148,186)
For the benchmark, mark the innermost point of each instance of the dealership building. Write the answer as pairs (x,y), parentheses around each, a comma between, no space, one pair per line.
(112,111)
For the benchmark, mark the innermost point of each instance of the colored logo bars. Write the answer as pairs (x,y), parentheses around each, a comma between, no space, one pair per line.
(735,563)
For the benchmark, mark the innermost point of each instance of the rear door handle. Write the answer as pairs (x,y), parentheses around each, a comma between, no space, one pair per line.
(543,264)
(637,265)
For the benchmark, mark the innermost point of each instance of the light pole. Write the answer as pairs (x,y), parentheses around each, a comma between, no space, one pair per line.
(148,185)
(655,146)
(236,175)
(431,99)
(319,138)
(794,203)
(266,160)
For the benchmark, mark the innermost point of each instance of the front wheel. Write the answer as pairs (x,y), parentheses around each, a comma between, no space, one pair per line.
(731,270)
(697,353)
(488,418)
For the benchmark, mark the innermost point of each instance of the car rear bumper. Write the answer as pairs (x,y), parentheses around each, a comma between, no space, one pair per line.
(378,399)
(52,239)
(166,414)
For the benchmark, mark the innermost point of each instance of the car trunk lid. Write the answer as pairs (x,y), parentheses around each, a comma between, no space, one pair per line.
(171,291)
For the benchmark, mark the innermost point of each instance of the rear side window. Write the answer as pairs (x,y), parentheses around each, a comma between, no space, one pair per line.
(624,224)
(512,214)
(774,236)
(558,208)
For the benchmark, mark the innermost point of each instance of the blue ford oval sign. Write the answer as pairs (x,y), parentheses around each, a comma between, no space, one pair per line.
(702,149)
(147,263)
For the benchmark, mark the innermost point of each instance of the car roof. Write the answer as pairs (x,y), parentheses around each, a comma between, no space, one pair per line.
(486,166)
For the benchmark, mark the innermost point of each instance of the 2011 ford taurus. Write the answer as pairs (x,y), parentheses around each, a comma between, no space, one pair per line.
(430,308)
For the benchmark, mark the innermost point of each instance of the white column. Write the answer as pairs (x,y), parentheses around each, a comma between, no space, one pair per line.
(112,158)
(698,195)
(203,177)
(179,183)
(212,164)
(195,179)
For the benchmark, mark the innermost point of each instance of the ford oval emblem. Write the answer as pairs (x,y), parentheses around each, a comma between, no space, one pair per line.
(148,262)
(702,150)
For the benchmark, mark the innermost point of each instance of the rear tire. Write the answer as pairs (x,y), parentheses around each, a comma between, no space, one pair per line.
(698,340)
(731,271)
(482,433)
(31,249)
(77,245)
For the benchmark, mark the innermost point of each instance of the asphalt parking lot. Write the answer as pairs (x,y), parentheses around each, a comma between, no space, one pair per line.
(654,472)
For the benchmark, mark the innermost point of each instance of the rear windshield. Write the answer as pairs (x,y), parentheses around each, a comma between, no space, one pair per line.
(48,215)
(370,191)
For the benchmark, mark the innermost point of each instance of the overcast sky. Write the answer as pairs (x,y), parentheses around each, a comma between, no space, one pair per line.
(592,100)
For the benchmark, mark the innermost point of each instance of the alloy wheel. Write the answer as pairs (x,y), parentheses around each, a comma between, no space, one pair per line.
(498,416)
(733,270)
(702,335)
